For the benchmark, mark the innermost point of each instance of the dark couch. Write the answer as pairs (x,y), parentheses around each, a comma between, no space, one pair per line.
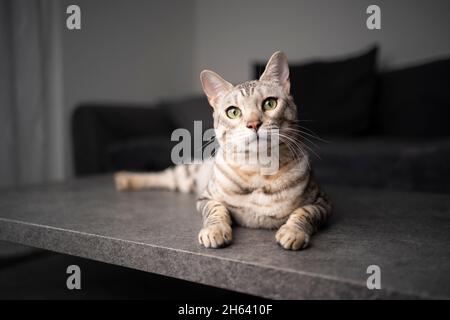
(381,129)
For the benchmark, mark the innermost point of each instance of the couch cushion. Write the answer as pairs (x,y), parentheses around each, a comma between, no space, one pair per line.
(415,102)
(146,153)
(153,152)
(96,127)
(334,97)
(422,165)
(184,112)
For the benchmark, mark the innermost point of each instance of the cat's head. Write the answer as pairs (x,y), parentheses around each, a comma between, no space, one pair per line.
(251,110)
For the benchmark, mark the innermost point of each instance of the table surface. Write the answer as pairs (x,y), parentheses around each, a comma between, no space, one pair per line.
(406,234)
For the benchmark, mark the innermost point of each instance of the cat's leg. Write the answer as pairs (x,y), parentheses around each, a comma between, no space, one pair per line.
(216,231)
(303,223)
(181,178)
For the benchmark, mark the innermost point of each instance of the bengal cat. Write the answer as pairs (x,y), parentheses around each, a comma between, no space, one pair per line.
(230,190)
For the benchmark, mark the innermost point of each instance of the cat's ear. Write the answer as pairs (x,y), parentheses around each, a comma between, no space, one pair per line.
(277,69)
(214,86)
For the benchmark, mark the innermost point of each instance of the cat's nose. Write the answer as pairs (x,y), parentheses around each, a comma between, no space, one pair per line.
(254,125)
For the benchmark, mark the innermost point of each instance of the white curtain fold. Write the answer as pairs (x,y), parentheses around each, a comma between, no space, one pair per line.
(31,104)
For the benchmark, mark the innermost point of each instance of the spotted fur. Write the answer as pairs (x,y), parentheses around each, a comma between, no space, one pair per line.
(230,190)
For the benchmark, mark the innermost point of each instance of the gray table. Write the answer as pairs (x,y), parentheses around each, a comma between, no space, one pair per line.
(406,234)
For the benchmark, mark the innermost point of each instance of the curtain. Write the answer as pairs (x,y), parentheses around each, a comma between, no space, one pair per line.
(31,102)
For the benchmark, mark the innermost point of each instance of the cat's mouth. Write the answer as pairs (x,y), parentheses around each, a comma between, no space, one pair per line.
(254,142)
(257,138)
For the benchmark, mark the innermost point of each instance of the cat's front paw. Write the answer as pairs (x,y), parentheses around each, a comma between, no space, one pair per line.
(292,238)
(215,236)
(123,181)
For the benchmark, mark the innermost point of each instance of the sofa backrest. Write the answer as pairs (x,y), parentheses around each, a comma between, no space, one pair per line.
(415,101)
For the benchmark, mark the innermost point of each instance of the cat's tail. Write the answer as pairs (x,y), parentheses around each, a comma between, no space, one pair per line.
(181,178)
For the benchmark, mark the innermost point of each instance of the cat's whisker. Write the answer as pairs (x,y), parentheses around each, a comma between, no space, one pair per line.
(308,147)
(299,134)
(299,145)
(294,143)
(207,143)
(294,152)
(288,143)
(312,135)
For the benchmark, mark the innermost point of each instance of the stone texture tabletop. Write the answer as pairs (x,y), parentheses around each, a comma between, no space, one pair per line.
(406,234)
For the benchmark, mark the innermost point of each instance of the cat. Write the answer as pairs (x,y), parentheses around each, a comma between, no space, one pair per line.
(288,199)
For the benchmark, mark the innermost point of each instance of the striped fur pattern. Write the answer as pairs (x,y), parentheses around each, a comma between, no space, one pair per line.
(230,190)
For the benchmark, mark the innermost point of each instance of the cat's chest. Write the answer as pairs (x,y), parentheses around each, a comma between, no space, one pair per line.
(258,209)
(257,184)
(256,200)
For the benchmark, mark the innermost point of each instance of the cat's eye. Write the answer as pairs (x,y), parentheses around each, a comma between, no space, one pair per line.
(233,112)
(269,104)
